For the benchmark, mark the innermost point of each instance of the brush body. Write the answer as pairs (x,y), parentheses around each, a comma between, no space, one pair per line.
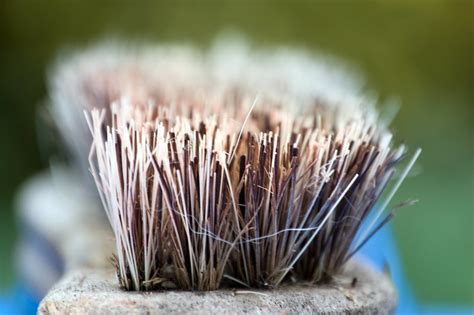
(246,171)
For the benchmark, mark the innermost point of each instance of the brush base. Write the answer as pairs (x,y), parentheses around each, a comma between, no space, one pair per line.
(93,291)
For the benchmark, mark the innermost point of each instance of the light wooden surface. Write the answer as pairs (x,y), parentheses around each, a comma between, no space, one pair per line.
(95,291)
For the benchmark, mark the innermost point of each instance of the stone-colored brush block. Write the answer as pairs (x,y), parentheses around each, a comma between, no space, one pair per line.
(358,290)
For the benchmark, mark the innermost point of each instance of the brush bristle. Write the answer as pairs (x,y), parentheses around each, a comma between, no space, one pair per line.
(235,179)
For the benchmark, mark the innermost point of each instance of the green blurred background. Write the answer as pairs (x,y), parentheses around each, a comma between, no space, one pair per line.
(418,51)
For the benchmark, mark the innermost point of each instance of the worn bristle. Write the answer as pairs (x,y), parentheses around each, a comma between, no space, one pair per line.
(208,184)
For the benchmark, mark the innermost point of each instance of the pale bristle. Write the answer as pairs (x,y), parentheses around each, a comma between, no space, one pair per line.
(227,181)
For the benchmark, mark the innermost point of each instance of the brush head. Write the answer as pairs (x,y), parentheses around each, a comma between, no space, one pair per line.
(228,167)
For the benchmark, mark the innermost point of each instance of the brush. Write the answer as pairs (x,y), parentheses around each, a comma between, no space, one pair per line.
(231,167)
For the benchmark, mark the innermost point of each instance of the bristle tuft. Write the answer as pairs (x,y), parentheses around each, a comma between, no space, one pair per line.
(206,184)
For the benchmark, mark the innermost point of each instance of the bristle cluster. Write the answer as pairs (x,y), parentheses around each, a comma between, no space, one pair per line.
(218,182)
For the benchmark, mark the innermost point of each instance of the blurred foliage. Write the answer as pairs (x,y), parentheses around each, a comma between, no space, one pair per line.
(419,51)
